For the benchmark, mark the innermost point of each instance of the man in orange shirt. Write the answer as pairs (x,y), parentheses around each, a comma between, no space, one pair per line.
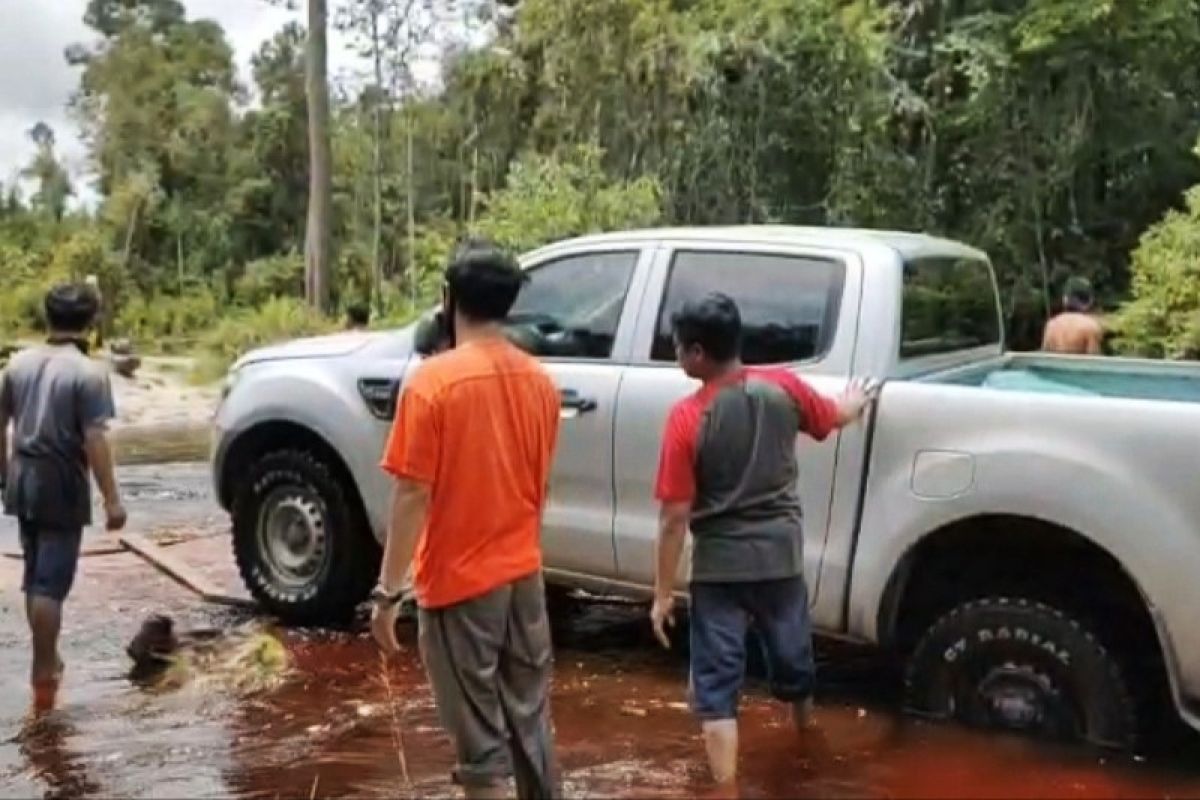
(471,449)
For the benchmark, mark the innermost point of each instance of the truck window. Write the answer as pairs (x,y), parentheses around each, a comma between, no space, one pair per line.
(571,307)
(948,304)
(789,304)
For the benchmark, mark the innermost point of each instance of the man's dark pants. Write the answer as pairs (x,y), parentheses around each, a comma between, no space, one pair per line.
(51,559)
(489,661)
(722,615)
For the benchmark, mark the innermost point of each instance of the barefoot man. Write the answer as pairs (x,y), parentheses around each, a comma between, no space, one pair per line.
(59,403)
(728,470)
(471,450)
(1075,330)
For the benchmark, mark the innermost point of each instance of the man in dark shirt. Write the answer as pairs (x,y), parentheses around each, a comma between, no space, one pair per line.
(59,403)
(728,468)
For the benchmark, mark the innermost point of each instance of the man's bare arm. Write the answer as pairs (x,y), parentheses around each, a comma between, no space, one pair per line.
(100,458)
(410,506)
(672,533)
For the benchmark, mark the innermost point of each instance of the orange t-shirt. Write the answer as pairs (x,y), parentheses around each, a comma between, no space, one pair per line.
(478,424)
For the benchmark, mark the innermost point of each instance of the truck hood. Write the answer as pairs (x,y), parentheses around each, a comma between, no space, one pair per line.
(332,346)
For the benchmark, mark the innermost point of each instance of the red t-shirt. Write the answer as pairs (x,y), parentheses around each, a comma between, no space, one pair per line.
(676,470)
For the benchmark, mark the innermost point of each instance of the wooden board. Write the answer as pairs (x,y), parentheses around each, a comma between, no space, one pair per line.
(181,572)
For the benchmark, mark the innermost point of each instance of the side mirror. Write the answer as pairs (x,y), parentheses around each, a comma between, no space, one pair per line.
(428,338)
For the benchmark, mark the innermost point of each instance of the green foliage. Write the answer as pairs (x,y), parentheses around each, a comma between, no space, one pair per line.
(1051,133)
(276,320)
(1162,320)
(269,278)
(553,198)
(163,321)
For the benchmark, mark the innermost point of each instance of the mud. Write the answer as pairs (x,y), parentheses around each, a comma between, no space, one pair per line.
(347,724)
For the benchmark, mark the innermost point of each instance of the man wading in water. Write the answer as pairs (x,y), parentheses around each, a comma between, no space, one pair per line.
(59,402)
(728,468)
(471,450)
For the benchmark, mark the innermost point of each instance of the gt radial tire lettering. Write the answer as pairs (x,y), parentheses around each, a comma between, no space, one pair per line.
(1005,634)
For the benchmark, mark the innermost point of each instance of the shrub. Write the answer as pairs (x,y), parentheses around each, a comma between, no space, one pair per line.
(550,198)
(155,321)
(1162,320)
(276,320)
(267,278)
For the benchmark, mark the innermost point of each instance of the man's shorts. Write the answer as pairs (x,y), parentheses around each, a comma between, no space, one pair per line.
(489,661)
(722,614)
(51,558)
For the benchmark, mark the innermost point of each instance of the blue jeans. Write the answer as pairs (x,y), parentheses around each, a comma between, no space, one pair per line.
(722,614)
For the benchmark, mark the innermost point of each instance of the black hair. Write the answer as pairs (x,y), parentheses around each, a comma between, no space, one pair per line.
(483,281)
(1077,294)
(712,323)
(71,307)
(358,314)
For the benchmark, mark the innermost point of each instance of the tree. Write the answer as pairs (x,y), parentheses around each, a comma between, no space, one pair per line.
(267,196)
(53,183)
(156,101)
(317,244)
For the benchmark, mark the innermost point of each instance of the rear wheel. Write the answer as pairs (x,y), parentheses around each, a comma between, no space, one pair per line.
(1021,666)
(303,547)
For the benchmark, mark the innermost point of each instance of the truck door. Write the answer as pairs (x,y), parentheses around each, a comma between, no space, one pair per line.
(578,311)
(799,308)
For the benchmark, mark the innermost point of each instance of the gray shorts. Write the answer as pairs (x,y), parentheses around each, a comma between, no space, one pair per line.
(489,661)
(51,558)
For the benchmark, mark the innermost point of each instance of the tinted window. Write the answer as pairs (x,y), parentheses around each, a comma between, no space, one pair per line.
(948,304)
(571,307)
(789,304)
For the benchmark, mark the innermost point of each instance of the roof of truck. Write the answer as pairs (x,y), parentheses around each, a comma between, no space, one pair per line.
(908,245)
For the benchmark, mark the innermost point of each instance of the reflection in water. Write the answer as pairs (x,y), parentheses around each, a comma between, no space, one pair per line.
(42,744)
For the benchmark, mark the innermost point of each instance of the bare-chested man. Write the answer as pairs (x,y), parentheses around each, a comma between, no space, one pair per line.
(1075,330)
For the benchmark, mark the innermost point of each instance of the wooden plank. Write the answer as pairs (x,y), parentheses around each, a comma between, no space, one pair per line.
(95,550)
(181,572)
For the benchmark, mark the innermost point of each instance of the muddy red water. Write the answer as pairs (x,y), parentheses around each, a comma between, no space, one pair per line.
(346,725)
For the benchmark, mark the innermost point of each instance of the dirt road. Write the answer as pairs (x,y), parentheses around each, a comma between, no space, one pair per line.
(346,725)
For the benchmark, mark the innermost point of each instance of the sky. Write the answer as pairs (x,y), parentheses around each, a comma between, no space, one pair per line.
(36,82)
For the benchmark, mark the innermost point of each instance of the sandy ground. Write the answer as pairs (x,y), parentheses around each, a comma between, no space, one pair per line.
(160,394)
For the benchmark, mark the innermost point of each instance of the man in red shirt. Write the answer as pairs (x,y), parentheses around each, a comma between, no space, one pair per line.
(471,450)
(728,471)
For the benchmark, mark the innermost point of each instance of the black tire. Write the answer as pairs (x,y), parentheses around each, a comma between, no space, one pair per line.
(346,560)
(1021,666)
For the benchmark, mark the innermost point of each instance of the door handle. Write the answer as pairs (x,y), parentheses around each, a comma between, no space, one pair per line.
(572,404)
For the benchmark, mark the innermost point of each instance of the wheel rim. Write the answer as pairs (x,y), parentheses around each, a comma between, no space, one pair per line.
(1021,698)
(292,537)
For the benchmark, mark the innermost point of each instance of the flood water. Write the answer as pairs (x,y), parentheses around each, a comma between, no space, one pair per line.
(347,725)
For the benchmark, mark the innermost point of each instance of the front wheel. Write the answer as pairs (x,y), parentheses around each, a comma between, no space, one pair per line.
(1021,666)
(302,546)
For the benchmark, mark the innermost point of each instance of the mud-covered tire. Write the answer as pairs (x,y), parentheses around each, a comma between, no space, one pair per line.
(1022,666)
(321,587)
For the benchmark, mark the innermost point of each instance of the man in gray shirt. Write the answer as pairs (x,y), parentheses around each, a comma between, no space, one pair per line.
(728,469)
(59,403)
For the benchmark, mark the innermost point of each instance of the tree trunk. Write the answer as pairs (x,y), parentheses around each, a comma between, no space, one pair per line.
(414,278)
(377,232)
(320,181)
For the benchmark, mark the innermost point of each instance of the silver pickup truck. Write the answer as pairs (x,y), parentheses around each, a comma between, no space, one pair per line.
(1022,531)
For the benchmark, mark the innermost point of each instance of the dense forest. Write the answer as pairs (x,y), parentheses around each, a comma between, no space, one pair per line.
(1058,135)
